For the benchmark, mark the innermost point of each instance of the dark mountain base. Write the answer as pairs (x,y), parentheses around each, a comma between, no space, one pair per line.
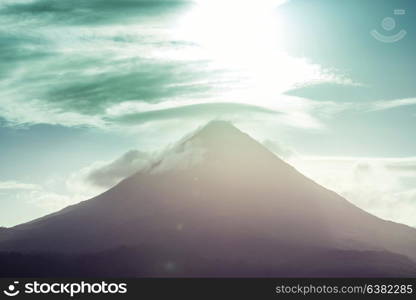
(131,262)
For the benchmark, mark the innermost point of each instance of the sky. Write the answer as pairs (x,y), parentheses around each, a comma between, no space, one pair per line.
(90,91)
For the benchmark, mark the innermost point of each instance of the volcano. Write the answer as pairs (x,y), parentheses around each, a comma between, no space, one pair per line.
(217,204)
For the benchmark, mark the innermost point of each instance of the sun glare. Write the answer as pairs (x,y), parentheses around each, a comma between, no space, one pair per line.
(247,38)
(233,32)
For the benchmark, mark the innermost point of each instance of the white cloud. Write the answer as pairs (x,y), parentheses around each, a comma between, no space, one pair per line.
(281,150)
(48,201)
(14,185)
(250,68)
(377,185)
(100,176)
(26,200)
(18,112)
(112,173)
(384,105)
(80,186)
(180,156)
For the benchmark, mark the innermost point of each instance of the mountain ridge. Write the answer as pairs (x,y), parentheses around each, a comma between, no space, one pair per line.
(223,195)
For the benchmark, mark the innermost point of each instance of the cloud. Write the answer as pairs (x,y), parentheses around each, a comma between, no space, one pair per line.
(86,86)
(332,91)
(14,185)
(137,79)
(21,202)
(34,194)
(72,63)
(54,74)
(26,113)
(182,155)
(110,174)
(279,149)
(34,200)
(101,176)
(30,201)
(193,111)
(348,91)
(47,200)
(409,166)
(17,49)
(384,105)
(381,186)
(93,12)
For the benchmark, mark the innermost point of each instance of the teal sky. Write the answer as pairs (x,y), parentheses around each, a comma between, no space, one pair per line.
(91,90)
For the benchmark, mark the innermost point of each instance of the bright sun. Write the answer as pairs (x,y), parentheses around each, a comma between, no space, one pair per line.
(247,37)
(233,31)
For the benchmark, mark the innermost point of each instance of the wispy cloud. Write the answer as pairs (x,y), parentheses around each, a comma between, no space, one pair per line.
(55,74)
(384,105)
(75,64)
(193,111)
(13,185)
(21,202)
(100,176)
(92,12)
